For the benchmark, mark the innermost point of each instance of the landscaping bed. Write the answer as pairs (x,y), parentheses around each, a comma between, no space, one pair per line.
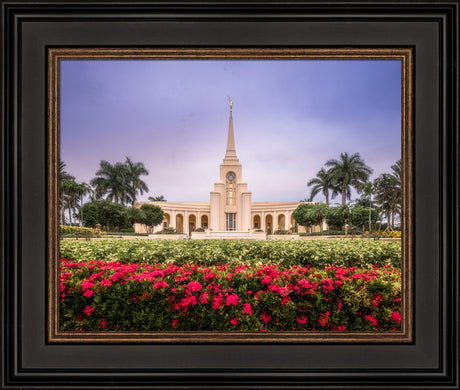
(117,296)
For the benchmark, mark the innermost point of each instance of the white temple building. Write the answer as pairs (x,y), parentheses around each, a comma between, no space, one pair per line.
(230,207)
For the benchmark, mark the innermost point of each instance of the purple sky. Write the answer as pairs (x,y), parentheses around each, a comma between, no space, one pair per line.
(289,117)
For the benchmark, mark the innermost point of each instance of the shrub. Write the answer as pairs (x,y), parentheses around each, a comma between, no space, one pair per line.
(324,233)
(65,230)
(167,230)
(392,234)
(281,231)
(286,253)
(111,296)
(199,230)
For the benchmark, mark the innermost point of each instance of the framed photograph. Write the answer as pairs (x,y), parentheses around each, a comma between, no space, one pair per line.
(245,196)
(217,270)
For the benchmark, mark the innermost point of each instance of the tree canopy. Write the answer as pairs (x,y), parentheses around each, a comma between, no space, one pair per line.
(347,172)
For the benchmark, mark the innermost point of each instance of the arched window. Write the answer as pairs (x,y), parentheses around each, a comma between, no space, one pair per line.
(231,189)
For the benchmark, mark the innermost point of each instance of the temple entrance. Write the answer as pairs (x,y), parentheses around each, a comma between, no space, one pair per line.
(269,224)
(281,222)
(230,221)
(256,222)
(191,224)
(166,221)
(204,221)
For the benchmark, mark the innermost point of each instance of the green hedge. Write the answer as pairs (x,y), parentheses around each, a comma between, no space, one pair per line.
(318,253)
(64,230)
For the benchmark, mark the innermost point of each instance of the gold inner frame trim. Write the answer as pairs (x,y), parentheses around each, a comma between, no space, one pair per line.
(405,55)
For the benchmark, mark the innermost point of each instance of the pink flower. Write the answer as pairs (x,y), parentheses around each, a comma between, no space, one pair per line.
(174,322)
(341,328)
(105,282)
(234,321)
(266,317)
(102,324)
(247,309)
(302,320)
(88,310)
(395,316)
(204,298)
(87,284)
(266,279)
(194,286)
(232,299)
(372,320)
(324,319)
(88,293)
(216,302)
(398,299)
(159,285)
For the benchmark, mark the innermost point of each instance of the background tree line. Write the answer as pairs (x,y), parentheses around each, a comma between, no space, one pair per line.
(112,194)
(380,198)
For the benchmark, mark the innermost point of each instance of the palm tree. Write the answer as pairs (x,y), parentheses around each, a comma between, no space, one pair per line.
(113,181)
(63,175)
(347,172)
(322,183)
(397,174)
(134,171)
(159,198)
(81,190)
(70,190)
(386,195)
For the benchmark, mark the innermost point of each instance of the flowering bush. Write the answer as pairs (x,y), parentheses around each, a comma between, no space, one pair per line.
(317,253)
(113,296)
(392,234)
(64,230)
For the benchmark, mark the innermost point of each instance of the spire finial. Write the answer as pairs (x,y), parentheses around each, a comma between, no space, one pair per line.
(231,103)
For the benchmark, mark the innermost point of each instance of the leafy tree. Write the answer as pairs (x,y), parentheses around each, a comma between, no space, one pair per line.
(159,198)
(347,172)
(63,175)
(303,216)
(134,171)
(388,195)
(337,216)
(113,181)
(359,216)
(322,183)
(113,216)
(397,174)
(67,189)
(151,216)
(134,215)
(318,213)
(63,188)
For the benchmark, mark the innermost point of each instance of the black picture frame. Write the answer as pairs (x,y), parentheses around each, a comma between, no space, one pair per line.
(29,28)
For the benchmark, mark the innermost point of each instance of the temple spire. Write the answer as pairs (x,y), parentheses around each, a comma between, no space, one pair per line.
(230,154)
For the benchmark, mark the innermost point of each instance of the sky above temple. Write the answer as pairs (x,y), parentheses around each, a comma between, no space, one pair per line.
(290,117)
